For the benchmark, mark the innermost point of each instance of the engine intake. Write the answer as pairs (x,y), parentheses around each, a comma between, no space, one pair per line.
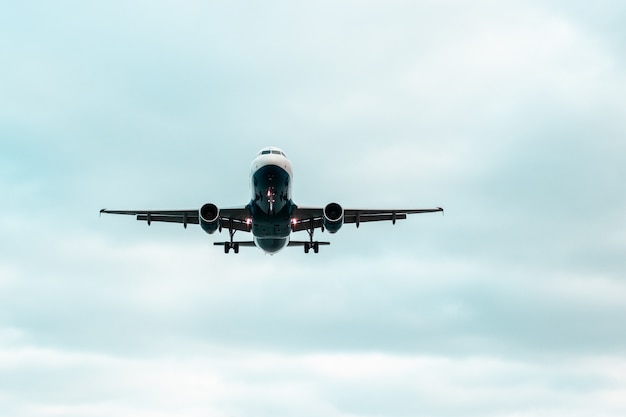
(333,217)
(209,218)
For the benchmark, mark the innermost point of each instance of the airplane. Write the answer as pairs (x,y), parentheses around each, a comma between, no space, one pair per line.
(271,215)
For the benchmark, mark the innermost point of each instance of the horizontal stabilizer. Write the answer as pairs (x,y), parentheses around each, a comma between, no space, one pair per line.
(245,243)
(302,243)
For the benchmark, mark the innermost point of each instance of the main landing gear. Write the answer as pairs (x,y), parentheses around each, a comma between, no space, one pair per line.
(310,244)
(231,245)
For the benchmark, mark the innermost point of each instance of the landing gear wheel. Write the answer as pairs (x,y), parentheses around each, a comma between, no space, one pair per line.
(226,247)
(236,247)
(316,247)
(306,248)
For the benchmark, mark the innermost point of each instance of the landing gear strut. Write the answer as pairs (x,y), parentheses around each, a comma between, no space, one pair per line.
(231,245)
(310,244)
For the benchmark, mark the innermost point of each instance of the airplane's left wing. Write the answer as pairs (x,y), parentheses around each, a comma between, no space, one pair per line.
(307,218)
(230,218)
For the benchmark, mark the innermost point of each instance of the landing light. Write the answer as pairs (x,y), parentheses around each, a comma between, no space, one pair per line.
(248,221)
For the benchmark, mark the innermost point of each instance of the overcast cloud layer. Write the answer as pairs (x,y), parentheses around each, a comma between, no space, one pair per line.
(511,115)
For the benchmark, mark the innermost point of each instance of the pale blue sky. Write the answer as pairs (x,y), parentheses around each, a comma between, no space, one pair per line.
(511,115)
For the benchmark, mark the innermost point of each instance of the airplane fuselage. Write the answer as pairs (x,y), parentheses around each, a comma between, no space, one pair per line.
(271,206)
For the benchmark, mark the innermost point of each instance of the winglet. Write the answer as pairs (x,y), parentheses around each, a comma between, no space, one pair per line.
(102,211)
(442,212)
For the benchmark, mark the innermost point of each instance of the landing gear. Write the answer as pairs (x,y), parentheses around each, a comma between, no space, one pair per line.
(310,244)
(231,245)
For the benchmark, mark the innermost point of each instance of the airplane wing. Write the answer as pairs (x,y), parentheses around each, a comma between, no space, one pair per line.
(307,218)
(233,218)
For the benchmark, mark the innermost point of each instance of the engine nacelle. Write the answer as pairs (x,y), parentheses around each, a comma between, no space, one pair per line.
(209,218)
(333,217)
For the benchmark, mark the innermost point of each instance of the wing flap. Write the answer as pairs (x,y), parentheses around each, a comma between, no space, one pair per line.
(362,218)
(235,224)
(306,224)
(170,219)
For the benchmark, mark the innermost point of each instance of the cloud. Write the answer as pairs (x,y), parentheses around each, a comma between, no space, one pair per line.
(148,296)
(509,116)
(242,382)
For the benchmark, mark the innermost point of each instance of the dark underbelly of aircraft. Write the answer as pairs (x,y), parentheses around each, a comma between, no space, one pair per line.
(271,189)
(271,206)
(277,225)
(271,245)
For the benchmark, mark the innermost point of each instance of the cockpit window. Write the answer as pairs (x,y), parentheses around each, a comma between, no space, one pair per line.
(272,151)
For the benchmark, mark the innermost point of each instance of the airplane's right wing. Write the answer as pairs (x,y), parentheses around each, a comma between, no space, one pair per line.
(229,218)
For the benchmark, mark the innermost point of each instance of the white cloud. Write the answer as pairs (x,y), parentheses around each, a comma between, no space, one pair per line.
(243,381)
(509,116)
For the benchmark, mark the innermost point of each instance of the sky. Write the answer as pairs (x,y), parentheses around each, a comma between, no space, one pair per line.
(510,115)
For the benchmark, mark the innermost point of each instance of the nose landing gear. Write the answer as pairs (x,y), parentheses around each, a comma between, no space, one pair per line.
(271,198)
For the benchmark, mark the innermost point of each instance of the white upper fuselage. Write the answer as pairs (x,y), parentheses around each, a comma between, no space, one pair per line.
(271,206)
(268,157)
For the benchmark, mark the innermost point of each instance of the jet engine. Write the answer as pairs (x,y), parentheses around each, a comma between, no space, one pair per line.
(209,218)
(333,217)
